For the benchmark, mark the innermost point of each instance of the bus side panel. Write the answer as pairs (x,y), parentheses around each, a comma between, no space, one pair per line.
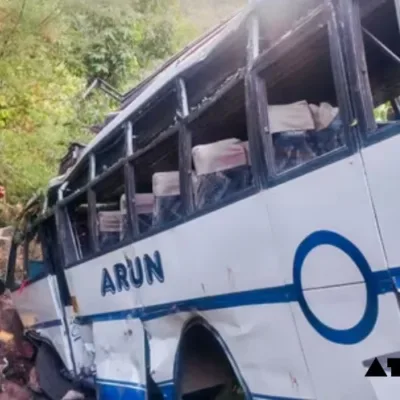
(120,359)
(260,341)
(264,343)
(337,369)
(39,308)
(334,199)
(230,253)
(326,234)
(382,164)
(229,250)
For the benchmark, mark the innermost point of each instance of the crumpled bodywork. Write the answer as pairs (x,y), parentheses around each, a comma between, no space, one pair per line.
(25,361)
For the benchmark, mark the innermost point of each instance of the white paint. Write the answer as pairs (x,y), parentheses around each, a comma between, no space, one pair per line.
(120,351)
(316,268)
(333,198)
(337,371)
(385,388)
(382,164)
(344,312)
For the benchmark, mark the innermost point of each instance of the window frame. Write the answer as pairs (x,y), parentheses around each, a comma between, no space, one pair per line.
(322,17)
(35,230)
(236,79)
(70,245)
(28,239)
(11,264)
(350,15)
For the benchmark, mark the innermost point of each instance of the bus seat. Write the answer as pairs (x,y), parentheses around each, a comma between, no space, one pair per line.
(168,206)
(110,227)
(295,117)
(329,128)
(222,169)
(144,211)
(289,125)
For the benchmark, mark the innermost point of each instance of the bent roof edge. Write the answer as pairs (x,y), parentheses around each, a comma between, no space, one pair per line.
(193,54)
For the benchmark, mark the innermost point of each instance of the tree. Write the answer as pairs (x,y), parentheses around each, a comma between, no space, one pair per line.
(49,51)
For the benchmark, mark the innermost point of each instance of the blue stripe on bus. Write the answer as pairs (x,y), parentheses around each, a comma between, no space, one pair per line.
(280,294)
(167,389)
(266,397)
(384,281)
(110,389)
(46,324)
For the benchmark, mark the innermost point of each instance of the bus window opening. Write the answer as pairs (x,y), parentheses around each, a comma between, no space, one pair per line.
(220,154)
(78,213)
(35,261)
(111,228)
(158,198)
(382,51)
(303,113)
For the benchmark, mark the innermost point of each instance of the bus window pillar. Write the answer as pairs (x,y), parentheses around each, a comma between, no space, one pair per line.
(185,150)
(348,17)
(130,183)
(340,77)
(256,109)
(397,4)
(92,208)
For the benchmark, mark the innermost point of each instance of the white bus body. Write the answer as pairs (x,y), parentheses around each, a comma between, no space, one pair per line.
(297,282)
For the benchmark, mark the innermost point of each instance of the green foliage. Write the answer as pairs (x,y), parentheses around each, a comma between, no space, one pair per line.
(381,113)
(50,50)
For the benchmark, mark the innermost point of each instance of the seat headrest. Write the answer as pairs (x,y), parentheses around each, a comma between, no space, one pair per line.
(166,184)
(290,117)
(144,203)
(110,221)
(219,156)
(323,115)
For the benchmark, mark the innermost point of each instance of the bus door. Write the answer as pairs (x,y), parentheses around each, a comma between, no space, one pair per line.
(35,288)
(380,140)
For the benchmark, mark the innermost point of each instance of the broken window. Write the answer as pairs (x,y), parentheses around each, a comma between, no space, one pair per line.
(303,111)
(35,261)
(158,196)
(110,227)
(220,155)
(382,51)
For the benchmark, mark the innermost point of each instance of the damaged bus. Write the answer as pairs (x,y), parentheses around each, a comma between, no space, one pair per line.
(232,229)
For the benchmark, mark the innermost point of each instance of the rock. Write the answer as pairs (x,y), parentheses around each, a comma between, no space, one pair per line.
(13,391)
(13,346)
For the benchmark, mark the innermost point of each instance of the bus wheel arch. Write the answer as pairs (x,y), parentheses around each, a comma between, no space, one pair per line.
(203,356)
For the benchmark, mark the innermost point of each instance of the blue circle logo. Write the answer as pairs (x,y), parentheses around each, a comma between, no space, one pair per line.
(367,322)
